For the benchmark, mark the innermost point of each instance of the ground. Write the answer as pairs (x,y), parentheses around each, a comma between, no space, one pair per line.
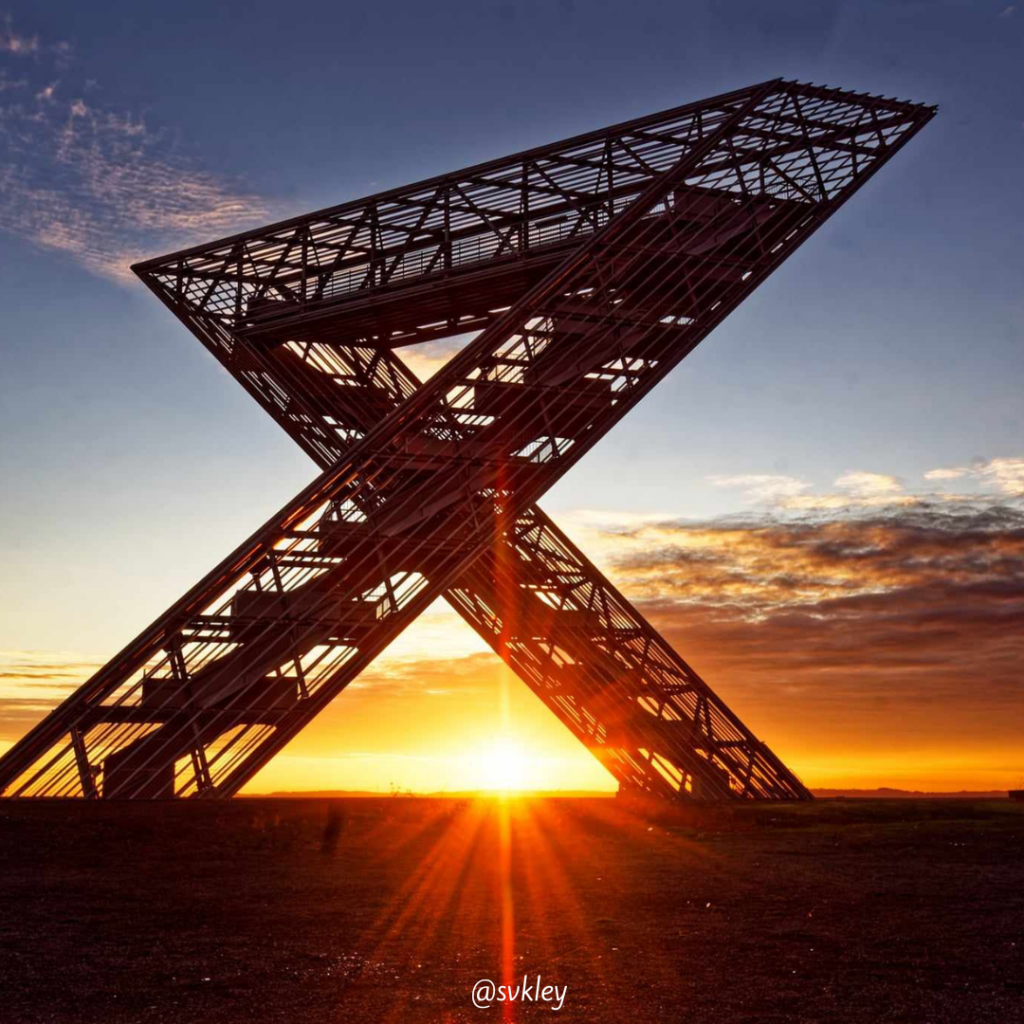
(392,908)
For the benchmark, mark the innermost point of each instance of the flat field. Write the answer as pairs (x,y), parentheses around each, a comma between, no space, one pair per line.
(390,909)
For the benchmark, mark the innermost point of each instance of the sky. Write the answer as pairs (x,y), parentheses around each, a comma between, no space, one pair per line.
(822,507)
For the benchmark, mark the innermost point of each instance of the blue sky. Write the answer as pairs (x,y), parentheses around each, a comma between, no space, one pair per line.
(890,347)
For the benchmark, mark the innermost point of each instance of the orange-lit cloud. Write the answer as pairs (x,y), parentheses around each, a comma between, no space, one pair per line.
(32,683)
(426,359)
(896,630)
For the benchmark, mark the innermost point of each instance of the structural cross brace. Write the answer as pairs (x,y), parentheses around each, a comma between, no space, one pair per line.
(590,267)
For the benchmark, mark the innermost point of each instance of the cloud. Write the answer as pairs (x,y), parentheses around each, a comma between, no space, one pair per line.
(763,487)
(757,564)
(1006,12)
(18,45)
(97,183)
(427,358)
(1004,475)
(905,619)
(869,485)
(33,682)
(857,488)
(864,489)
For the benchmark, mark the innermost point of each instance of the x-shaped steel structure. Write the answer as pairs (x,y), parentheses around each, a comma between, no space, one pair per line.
(590,267)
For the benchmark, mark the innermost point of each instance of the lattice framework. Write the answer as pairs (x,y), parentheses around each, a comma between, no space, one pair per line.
(591,268)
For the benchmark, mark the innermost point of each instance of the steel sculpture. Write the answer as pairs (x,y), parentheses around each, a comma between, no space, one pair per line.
(590,267)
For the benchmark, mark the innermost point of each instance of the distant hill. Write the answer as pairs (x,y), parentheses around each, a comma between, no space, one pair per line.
(886,793)
(882,793)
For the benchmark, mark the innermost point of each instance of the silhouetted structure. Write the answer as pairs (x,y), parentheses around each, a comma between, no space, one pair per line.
(592,267)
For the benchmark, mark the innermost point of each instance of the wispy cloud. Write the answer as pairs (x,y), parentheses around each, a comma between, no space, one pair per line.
(15,43)
(870,485)
(1004,475)
(763,487)
(98,183)
(855,489)
(33,682)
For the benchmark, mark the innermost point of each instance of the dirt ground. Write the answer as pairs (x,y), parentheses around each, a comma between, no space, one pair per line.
(392,908)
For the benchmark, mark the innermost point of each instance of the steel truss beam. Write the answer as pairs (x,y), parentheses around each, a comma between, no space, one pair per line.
(593,266)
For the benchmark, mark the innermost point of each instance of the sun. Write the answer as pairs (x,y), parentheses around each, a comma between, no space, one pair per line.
(504,767)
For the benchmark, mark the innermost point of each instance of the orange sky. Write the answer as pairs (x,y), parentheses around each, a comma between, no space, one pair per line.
(880,644)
